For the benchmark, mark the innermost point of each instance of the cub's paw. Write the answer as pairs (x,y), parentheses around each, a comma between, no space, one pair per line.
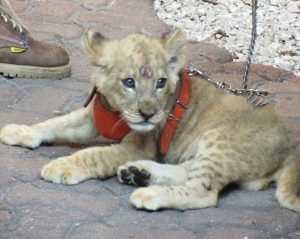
(133,173)
(60,171)
(21,135)
(150,198)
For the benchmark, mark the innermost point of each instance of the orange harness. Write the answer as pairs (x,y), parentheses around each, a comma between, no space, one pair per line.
(111,125)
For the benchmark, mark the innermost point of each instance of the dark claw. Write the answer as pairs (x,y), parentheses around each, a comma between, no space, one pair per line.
(125,173)
(133,170)
(125,176)
(141,181)
(145,174)
(142,178)
(126,180)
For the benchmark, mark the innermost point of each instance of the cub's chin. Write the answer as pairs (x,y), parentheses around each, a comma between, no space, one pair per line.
(142,127)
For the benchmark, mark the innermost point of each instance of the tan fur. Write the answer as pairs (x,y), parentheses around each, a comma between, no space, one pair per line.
(221,139)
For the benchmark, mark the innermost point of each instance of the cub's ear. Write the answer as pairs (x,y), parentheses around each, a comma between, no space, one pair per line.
(174,44)
(92,41)
(94,45)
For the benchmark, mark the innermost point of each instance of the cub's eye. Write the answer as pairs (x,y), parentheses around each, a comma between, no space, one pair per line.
(161,83)
(129,83)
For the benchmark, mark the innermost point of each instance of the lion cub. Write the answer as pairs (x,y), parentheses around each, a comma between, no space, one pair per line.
(220,138)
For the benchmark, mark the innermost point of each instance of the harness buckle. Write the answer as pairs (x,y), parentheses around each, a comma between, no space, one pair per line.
(181,104)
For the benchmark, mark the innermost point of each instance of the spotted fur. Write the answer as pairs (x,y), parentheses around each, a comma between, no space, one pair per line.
(222,139)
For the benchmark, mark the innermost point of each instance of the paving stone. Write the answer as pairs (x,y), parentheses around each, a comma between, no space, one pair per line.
(128,216)
(294,235)
(5,216)
(97,4)
(288,104)
(267,72)
(18,152)
(24,168)
(33,208)
(46,99)
(44,222)
(235,80)
(55,11)
(132,24)
(95,205)
(19,6)
(201,52)
(8,95)
(289,86)
(233,198)
(9,218)
(234,233)
(56,30)
(208,67)
(22,117)
(276,221)
(93,230)
(56,151)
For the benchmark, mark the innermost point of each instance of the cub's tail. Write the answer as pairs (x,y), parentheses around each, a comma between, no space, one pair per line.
(288,184)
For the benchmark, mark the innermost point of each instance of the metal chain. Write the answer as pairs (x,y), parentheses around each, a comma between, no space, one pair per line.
(252,44)
(256,97)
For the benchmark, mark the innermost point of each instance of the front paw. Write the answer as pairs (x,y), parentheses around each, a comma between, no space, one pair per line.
(131,173)
(61,171)
(21,135)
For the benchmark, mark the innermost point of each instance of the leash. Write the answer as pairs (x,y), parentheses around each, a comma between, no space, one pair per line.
(252,44)
(254,96)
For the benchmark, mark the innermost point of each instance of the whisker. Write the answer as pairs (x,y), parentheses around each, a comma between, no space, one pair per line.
(118,124)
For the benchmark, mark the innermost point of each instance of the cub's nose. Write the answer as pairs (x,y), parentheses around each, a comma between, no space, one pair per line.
(147,115)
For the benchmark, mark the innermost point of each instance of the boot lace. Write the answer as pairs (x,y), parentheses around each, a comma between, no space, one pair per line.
(6,18)
(16,26)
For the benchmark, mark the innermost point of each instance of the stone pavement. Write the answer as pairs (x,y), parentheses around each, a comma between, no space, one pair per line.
(33,208)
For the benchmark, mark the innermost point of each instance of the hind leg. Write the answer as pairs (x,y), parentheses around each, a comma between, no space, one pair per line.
(176,197)
(257,184)
(260,183)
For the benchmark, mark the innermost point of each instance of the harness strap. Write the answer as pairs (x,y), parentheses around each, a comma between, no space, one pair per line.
(109,124)
(177,113)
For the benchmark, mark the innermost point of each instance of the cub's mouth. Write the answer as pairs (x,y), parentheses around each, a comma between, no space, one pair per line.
(143,122)
(142,127)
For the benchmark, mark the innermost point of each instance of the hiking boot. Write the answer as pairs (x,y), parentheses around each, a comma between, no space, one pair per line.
(22,56)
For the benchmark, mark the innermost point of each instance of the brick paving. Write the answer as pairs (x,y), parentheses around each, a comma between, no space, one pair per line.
(33,208)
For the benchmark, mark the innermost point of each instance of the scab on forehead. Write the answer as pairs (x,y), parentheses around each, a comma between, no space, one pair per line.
(146,71)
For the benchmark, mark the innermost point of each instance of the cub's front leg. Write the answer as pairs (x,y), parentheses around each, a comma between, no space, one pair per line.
(76,127)
(95,162)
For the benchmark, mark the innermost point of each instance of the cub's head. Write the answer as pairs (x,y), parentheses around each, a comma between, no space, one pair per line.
(137,75)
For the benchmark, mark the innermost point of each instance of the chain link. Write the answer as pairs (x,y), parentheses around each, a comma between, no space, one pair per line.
(256,97)
(252,44)
(227,87)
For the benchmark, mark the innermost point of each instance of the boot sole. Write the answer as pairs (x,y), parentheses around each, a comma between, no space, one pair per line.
(57,72)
